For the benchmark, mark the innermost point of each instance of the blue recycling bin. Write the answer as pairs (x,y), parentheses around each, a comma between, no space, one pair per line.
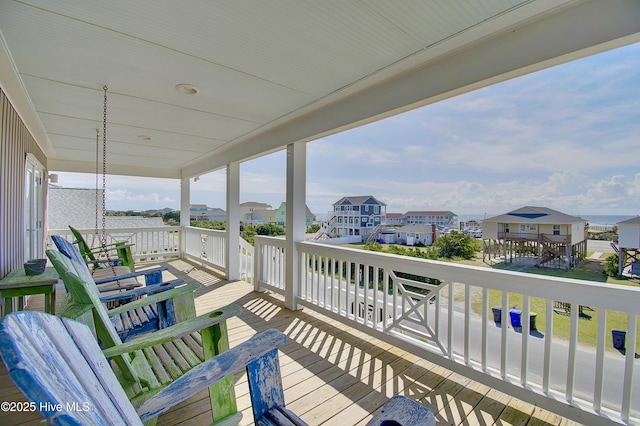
(516,317)
(618,337)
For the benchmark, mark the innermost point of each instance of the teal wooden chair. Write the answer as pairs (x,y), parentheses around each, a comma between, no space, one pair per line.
(121,251)
(146,363)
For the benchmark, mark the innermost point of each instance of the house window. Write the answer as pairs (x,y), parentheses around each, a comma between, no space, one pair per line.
(376,209)
(506,227)
(556,229)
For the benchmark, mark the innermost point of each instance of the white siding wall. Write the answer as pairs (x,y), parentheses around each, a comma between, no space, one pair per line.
(15,143)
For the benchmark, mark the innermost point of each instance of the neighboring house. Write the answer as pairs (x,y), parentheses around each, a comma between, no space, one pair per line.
(440,218)
(281,216)
(247,209)
(547,236)
(416,234)
(393,219)
(629,245)
(260,216)
(356,216)
(203,212)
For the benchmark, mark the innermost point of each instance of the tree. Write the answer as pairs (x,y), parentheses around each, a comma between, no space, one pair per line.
(611,265)
(456,245)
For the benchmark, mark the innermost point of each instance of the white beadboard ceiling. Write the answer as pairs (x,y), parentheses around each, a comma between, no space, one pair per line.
(269,72)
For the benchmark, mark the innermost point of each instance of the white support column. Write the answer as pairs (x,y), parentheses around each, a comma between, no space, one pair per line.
(295,219)
(185,212)
(232,254)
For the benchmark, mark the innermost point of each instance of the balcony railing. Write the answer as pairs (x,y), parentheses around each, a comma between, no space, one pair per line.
(534,236)
(442,311)
(146,243)
(158,243)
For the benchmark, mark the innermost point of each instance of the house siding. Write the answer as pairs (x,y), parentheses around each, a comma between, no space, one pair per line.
(15,143)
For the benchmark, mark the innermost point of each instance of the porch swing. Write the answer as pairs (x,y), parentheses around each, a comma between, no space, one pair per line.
(100,258)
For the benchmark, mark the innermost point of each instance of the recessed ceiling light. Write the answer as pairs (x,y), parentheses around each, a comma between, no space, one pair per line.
(145,137)
(187,89)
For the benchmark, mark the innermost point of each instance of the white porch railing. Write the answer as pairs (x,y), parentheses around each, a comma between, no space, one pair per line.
(208,246)
(147,243)
(451,323)
(204,245)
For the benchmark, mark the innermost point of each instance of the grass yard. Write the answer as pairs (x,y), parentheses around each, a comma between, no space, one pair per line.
(588,323)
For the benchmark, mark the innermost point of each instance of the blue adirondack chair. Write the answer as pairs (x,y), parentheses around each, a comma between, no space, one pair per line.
(58,366)
(120,277)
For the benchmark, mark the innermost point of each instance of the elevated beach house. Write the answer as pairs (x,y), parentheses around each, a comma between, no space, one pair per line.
(543,235)
(355,216)
(629,246)
(177,93)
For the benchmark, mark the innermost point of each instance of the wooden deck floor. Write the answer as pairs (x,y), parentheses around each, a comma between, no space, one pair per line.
(332,374)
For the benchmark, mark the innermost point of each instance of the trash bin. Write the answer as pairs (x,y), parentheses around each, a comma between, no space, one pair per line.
(497,314)
(618,337)
(532,321)
(515,315)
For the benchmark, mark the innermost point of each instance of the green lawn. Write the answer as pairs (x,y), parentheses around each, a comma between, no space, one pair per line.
(588,323)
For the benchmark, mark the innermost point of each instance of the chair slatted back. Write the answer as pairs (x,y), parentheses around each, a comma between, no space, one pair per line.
(58,365)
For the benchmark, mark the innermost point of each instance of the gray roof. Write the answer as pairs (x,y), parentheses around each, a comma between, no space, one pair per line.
(529,214)
(417,228)
(632,221)
(358,200)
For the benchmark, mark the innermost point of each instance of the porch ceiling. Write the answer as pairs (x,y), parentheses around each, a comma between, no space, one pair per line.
(269,72)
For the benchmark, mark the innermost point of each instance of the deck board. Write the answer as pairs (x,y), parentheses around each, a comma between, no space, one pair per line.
(332,374)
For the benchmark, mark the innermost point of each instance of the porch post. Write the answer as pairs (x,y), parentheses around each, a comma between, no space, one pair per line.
(295,219)
(233,222)
(185,212)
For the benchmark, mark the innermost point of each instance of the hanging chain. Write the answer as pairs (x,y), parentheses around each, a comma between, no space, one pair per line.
(96,234)
(103,237)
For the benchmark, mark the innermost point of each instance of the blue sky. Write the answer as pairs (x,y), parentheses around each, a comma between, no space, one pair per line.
(567,138)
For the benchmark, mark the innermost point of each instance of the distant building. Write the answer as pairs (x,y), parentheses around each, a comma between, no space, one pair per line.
(357,215)
(247,210)
(541,234)
(393,219)
(203,212)
(281,215)
(416,234)
(629,245)
(77,207)
(439,218)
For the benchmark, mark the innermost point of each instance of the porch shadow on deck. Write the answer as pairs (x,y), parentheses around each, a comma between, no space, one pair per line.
(332,374)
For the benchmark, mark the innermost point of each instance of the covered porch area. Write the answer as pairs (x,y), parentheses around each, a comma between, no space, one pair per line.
(332,373)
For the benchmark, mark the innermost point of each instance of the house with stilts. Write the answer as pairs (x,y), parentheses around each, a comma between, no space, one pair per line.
(537,235)
(629,246)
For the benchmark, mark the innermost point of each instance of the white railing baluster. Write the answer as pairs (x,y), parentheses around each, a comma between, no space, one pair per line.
(451,311)
(548,333)
(485,325)
(573,344)
(504,324)
(467,323)
(525,323)
(600,353)
(630,355)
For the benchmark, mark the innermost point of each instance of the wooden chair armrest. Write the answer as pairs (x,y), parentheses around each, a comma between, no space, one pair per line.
(210,372)
(155,295)
(137,290)
(131,275)
(175,331)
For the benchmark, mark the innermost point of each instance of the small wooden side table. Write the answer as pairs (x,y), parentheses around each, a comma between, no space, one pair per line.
(17,285)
